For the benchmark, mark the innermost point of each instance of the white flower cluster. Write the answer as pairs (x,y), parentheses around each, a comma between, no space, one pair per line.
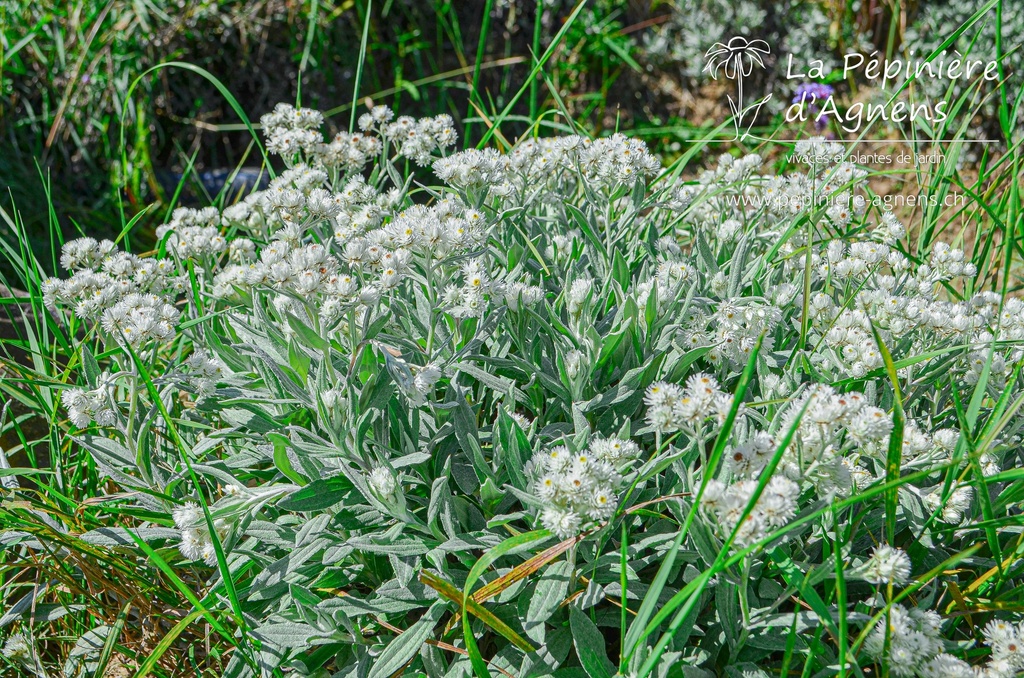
(748,458)
(103,276)
(577,489)
(914,639)
(733,330)
(848,346)
(576,295)
(519,295)
(475,169)
(196,543)
(732,170)
(203,371)
(140,318)
(844,338)
(1006,641)
(831,422)
(616,160)
(193,233)
(858,281)
(85,253)
(916,649)
(773,509)
(415,139)
(291,202)
(672,277)
(887,565)
(291,130)
(710,201)
(818,152)
(85,407)
(18,649)
(606,163)
(947,666)
(470,298)
(383,482)
(946,263)
(295,133)
(954,508)
(672,408)
(366,258)
(417,383)
(438,230)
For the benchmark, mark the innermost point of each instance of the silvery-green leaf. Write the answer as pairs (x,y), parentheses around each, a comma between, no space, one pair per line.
(112,457)
(271,534)
(336,554)
(118,536)
(411,459)
(550,656)
(727,608)
(23,604)
(81,660)
(312,529)
(440,506)
(280,569)
(353,606)
(398,547)
(551,590)
(590,645)
(404,647)
(593,595)
(317,495)
(288,635)
(17,537)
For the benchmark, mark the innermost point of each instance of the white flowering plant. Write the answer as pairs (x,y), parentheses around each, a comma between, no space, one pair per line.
(556,412)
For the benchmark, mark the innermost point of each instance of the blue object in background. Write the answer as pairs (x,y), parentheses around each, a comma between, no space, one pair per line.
(200,187)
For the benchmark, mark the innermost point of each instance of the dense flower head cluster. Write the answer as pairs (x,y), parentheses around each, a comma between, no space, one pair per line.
(103,277)
(913,639)
(418,139)
(578,489)
(140,318)
(475,169)
(85,253)
(734,329)
(671,407)
(469,298)
(193,233)
(95,405)
(775,506)
(295,132)
(887,565)
(196,543)
(915,648)
(382,481)
(18,649)
(605,164)
(204,369)
(953,507)
(1007,643)
(291,130)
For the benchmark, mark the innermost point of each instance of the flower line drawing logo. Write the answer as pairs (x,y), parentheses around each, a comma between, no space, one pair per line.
(736,59)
